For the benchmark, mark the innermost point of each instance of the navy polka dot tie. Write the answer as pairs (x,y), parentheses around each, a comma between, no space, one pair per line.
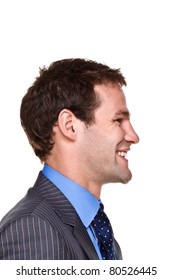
(104,234)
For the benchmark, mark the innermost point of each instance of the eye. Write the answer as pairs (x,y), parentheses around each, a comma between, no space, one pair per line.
(118,121)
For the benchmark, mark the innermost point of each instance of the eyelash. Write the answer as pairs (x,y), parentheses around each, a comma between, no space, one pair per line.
(118,121)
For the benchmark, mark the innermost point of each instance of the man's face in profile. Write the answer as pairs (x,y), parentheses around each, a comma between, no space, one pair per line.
(107,141)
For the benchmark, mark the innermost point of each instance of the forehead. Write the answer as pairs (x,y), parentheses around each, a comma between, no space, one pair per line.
(111,98)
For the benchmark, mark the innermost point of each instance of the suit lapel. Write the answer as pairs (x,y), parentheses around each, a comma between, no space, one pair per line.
(85,241)
(66,212)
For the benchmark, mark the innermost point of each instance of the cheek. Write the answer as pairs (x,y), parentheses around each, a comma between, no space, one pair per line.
(97,145)
(101,141)
(118,135)
(102,145)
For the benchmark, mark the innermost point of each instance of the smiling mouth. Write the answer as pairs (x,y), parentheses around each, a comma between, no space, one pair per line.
(122,154)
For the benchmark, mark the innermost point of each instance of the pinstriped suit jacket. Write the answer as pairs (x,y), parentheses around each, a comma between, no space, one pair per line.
(45,226)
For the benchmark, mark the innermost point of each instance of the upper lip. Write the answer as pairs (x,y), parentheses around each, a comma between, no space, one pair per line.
(123,150)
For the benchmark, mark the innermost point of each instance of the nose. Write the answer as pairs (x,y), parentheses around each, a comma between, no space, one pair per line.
(131,135)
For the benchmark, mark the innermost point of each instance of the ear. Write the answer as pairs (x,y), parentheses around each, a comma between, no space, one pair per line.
(67,124)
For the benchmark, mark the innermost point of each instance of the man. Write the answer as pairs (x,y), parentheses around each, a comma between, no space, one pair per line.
(77,121)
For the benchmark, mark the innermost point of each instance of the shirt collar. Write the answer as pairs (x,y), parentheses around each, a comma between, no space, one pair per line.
(85,204)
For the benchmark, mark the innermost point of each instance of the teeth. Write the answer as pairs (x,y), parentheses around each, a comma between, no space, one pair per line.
(122,154)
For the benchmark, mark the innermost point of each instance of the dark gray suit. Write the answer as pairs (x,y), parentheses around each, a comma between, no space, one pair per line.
(44,225)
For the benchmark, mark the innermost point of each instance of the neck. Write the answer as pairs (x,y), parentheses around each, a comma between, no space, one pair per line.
(74,173)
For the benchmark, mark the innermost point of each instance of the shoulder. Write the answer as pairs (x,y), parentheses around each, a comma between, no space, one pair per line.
(32,204)
(30,237)
(38,226)
(32,230)
(39,235)
(24,207)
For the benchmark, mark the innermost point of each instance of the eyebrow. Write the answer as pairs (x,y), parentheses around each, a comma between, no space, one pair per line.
(123,112)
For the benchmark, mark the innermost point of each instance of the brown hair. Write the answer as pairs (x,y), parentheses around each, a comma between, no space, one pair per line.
(69,84)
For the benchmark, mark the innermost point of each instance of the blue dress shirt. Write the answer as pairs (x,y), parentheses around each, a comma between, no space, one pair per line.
(85,204)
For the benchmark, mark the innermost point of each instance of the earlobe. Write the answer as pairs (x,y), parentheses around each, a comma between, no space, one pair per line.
(67,124)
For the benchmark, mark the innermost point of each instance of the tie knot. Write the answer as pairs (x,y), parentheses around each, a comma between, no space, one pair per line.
(101,219)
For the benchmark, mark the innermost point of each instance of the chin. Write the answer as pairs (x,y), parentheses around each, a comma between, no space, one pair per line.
(125,181)
(125,178)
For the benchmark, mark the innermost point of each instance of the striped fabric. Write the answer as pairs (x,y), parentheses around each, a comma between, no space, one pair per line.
(44,226)
(29,238)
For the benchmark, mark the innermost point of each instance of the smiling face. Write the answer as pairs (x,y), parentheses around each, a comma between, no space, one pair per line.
(105,143)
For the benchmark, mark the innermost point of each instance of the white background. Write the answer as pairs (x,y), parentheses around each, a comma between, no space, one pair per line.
(133,35)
